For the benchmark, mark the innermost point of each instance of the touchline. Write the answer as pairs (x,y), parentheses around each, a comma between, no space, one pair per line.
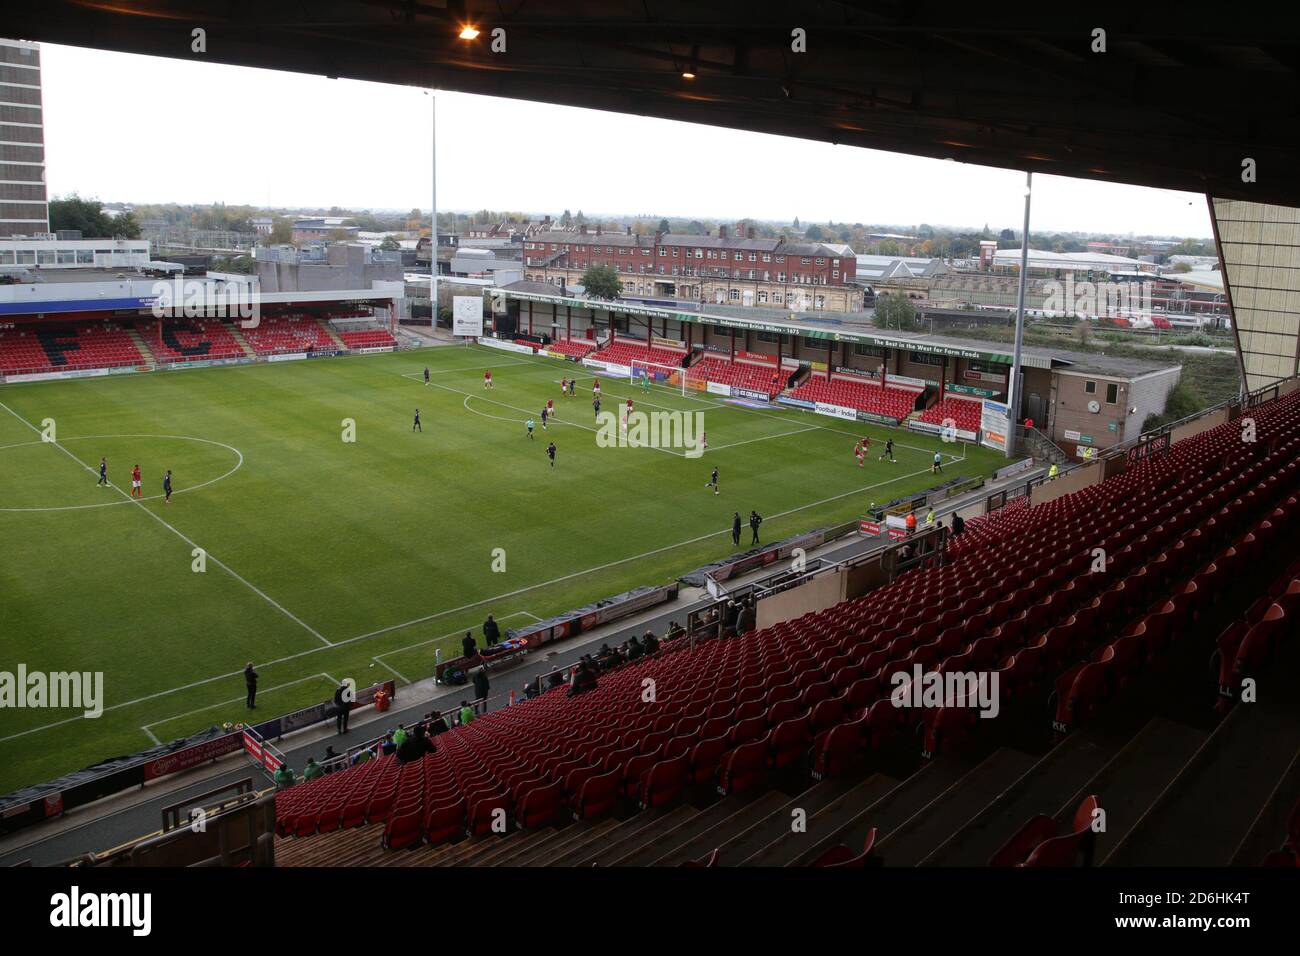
(83,690)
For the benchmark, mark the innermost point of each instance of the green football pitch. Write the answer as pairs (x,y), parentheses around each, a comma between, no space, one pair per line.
(327,558)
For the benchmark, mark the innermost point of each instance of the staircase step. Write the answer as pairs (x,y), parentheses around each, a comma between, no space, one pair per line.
(777,823)
(515,844)
(917,837)
(1201,818)
(719,830)
(571,837)
(634,832)
(1268,831)
(575,849)
(850,825)
(823,824)
(1133,778)
(1044,787)
(660,841)
(519,855)
(239,337)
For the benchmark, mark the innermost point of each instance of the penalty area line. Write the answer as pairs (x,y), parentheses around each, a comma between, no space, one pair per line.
(162,521)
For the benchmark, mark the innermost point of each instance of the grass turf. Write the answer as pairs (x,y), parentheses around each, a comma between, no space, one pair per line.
(328,559)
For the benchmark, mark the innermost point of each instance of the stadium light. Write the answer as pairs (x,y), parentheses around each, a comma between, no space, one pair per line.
(468,32)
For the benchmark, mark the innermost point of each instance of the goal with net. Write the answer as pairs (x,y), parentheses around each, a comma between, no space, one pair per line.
(672,376)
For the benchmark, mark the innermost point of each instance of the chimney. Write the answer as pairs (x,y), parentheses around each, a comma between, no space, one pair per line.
(749,232)
(722,232)
(598,229)
(583,227)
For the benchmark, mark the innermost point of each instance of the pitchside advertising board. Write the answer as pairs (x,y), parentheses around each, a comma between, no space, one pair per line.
(466,315)
(994,425)
(836,411)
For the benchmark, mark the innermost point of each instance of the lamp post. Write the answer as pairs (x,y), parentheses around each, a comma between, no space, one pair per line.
(1013,393)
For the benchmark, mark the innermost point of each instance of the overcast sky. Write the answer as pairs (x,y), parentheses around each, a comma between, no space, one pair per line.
(141,129)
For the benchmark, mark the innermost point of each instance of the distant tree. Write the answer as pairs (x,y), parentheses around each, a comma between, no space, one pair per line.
(664,226)
(1182,267)
(697,228)
(814,232)
(566,219)
(338,235)
(389,244)
(240,264)
(281,233)
(889,247)
(846,234)
(796,223)
(895,312)
(601,282)
(88,216)
(579,219)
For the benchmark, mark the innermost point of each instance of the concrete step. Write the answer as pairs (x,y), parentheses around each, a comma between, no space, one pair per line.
(1208,809)
(659,841)
(634,832)
(520,854)
(574,836)
(1042,789)
(717,829)
(334,336)
(918,836)
(850,824)
(777,823)
(1133,778)
(140,343)
(788,844)
(239,337)
(1268,831)
(576,849)
(516,843)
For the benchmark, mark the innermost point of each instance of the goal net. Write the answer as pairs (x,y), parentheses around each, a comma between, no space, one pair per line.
(671,376)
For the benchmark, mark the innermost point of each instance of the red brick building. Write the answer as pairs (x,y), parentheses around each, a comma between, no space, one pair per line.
(797,275)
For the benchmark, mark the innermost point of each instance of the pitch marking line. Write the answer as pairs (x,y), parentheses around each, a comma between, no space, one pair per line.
(432,640)
(162,521)
(112,504)
(515,408)
(391,670)
(750,441)
(233,700)
(722,406)
(465,607)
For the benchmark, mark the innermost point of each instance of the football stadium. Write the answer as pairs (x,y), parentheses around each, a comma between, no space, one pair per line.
(334,548)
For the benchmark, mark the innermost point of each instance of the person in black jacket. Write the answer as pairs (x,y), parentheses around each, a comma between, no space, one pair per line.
(250,682)
(437,725)
(735,529)
(342,707)
(481,688)
(491,631)
(650,643)
(468,646)
(634,648)
(584,677)
(755,519)
(415,746)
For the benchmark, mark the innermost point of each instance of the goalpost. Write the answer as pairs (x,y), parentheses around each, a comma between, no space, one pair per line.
(670,375)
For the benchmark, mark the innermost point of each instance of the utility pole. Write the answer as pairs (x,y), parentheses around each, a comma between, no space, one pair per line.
(1013,390)
(433,234)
